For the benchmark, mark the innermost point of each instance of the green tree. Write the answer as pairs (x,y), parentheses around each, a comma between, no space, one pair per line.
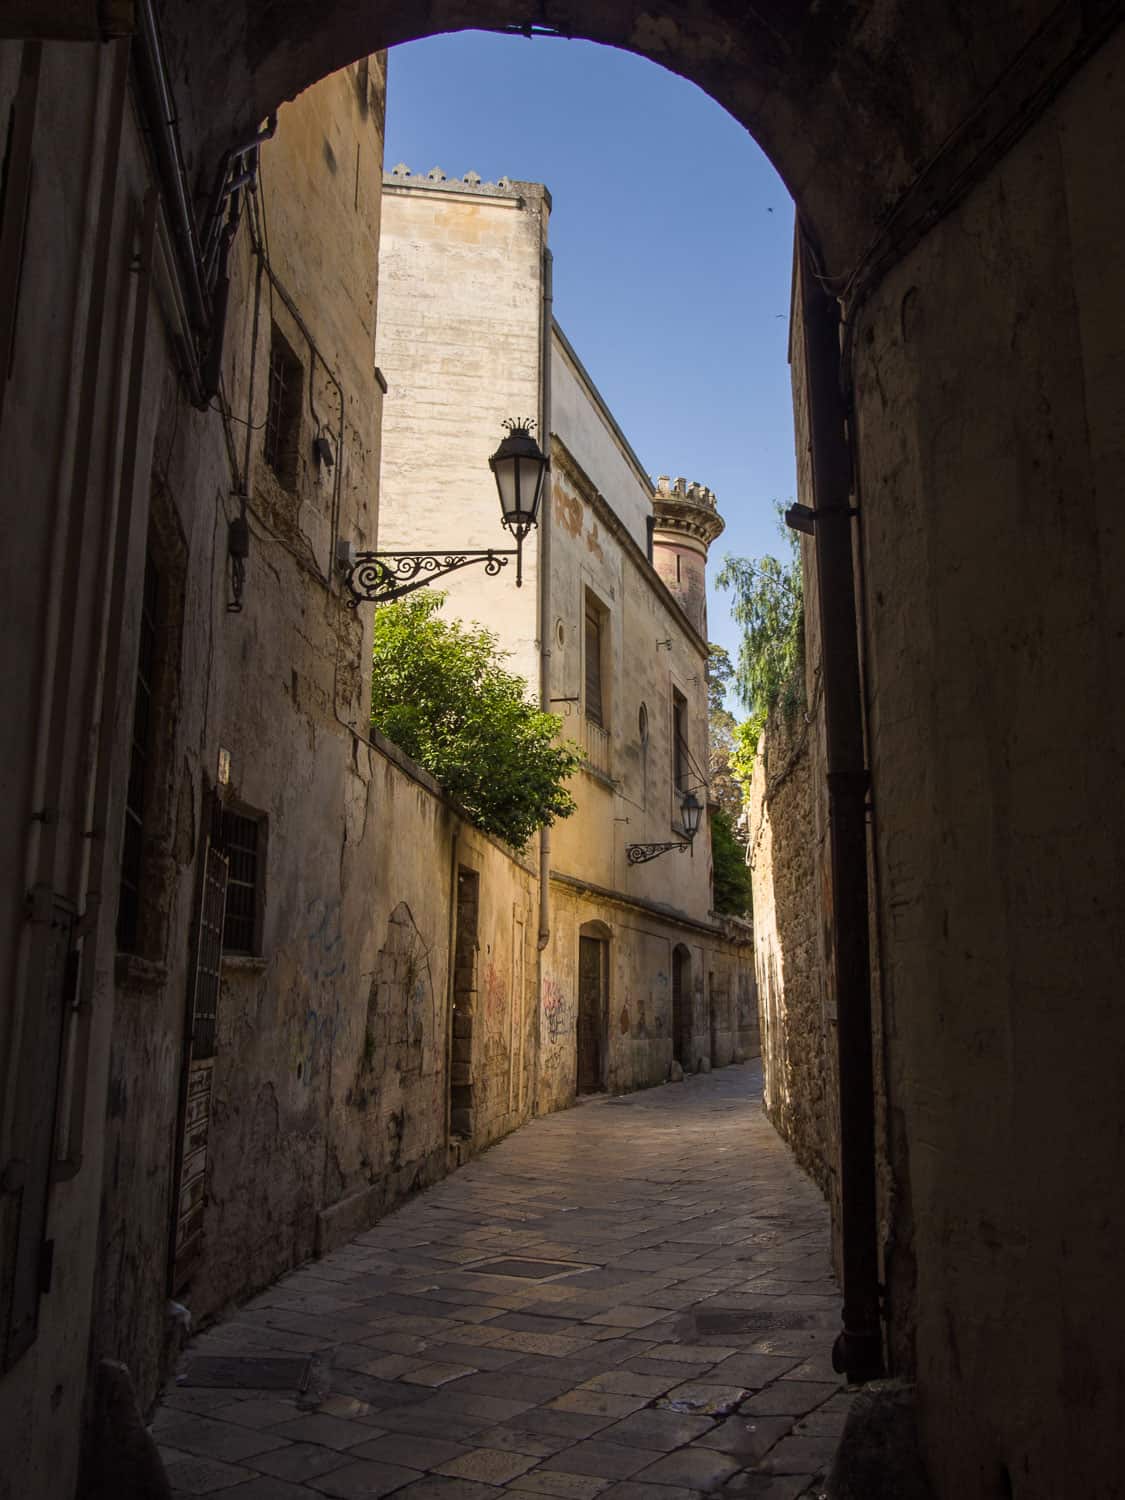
(723,736)
(440,691)
(731,878)
(769,605)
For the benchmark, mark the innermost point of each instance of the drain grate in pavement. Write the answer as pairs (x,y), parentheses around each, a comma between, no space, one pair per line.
(262,1372)
(529,1270)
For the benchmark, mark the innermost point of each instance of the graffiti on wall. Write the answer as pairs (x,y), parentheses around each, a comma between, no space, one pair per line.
(311,1045)
(325,940)
(495,997)
(556,1009)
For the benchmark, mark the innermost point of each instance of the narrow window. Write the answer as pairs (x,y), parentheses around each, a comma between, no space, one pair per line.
(283,413)
(679,741)
(140,758)
(244,843)
(594,702)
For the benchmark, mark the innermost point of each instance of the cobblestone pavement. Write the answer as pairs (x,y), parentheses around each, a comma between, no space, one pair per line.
(629,1300)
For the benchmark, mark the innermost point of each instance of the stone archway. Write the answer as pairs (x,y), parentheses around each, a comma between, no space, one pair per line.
(850,109)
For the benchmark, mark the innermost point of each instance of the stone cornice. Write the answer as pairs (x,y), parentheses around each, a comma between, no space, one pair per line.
(715,928)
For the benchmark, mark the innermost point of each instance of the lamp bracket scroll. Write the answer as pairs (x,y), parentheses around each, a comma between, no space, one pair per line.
(518,467)
(381,577)
(639,854)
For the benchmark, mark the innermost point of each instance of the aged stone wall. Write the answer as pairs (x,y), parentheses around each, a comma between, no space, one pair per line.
(333,1078)
(279,688)
(988,417)
(983,555)
(992,554)
(638,1007)
(793,1001)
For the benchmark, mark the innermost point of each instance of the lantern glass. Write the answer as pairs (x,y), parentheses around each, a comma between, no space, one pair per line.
(519,466)
(691,813)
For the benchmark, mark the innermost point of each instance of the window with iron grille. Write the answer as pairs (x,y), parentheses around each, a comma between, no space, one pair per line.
(243,842)
(140,757)
(283,412)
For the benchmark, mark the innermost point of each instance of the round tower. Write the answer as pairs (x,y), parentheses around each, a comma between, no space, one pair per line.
(684,524)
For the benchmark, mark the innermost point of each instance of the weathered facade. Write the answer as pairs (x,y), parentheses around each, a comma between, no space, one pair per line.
(311,986)
(609,627)
(955,182)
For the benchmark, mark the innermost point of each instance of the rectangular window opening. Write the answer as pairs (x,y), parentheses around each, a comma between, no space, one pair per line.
(595,702)
(243,842)
(680,776)
(140,758)
(283,412)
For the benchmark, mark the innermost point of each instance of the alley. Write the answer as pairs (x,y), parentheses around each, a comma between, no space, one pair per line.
(629,1300)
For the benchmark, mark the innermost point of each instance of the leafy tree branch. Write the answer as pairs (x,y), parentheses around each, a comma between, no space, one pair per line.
(440,691)
(769,607)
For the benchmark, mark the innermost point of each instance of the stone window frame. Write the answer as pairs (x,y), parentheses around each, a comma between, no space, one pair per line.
(281,440)
(235,819)
(166,549)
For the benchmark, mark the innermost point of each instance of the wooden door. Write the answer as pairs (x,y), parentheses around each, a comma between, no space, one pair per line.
(591,1015)
(681,1006)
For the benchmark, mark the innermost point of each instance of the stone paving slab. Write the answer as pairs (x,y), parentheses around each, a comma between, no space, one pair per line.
(630,1300)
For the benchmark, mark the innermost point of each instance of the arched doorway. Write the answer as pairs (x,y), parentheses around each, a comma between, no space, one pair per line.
(681,1005)
(593,1007)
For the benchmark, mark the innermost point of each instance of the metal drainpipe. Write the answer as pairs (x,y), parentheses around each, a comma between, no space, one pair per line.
(858,1350)
(161,115)
(546,324)
(545,577)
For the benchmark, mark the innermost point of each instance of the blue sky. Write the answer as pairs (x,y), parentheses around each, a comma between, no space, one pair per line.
(672,236)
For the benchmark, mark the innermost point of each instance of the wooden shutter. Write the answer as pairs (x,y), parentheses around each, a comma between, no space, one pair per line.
(679,741)
(593,666)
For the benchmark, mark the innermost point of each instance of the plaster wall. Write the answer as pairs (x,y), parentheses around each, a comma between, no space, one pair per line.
(986,550)
(625,793)
(992,553)
(580,416)
(460,344)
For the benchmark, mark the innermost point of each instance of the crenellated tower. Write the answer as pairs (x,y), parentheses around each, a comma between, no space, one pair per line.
(685,523)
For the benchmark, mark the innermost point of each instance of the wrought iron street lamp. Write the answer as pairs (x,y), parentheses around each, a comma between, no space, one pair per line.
(691,812)
(518,466)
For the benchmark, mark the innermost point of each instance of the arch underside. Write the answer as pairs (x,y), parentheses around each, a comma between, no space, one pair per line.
(849,102)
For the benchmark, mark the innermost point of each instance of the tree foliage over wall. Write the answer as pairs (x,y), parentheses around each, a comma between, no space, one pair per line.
(723,737)
(769,605)
(730,875)
(441,692)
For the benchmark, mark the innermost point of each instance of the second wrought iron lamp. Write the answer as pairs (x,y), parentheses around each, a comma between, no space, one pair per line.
(691,813)
(518,466)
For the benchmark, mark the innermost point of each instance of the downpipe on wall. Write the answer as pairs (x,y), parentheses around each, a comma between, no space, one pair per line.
(858,1350)
(546,314)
